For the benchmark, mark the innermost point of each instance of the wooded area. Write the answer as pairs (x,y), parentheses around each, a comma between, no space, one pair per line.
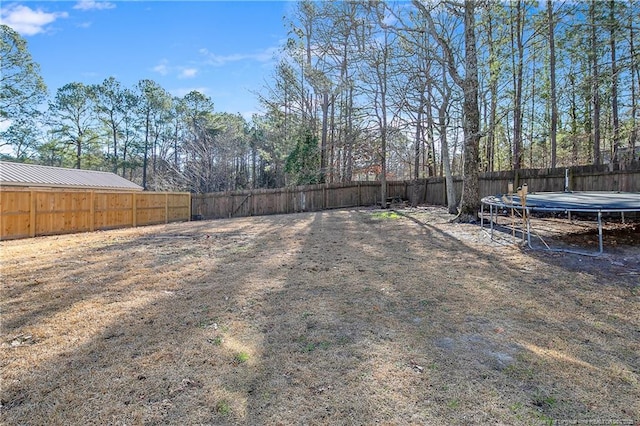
(388,90)
(30,213)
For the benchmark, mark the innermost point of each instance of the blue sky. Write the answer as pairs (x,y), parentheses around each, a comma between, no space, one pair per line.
(224,49)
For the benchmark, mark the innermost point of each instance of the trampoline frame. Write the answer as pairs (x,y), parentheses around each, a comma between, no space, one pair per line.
(507,202)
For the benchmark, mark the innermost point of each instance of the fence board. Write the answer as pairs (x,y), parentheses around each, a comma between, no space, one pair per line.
(29,212)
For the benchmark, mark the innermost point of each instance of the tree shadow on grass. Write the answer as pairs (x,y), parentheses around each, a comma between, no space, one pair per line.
(323,318)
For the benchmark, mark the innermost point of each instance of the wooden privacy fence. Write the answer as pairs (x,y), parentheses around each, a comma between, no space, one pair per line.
(31,212)
(34,212)
(430,191)
(584,178)
(291,200)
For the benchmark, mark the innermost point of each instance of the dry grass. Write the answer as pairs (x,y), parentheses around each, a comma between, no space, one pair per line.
(339,317)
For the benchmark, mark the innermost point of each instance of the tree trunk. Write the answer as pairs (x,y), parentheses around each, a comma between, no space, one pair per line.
(145,156)
(595,92)
(351,138)
(493,107)
(323,143)
(416,152)
(471,193)
(552,82)
(332,141)
(533,111)
(574,122)
(432,164)
(470,204)
(78,152)
(452,202)
(614,84)
(416,148)
(634,99)
(517,36)
(175,145)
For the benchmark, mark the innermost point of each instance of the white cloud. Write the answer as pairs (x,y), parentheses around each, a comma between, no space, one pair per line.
(165,68)
(27,21)
(188,73)
(162,68)
(93,5)
(220,60)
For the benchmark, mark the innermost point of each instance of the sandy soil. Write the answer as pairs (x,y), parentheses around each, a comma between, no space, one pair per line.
(336,317)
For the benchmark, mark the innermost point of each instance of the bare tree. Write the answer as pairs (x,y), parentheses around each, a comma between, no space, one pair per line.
(470,204)
(443,123)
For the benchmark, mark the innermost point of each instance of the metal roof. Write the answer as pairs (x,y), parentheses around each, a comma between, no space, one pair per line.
(19,174)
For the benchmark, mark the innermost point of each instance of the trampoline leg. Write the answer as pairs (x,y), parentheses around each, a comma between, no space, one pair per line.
(600,232)
(527,220)
(491,220)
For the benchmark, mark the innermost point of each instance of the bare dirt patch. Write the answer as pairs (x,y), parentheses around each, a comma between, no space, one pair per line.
(336,317)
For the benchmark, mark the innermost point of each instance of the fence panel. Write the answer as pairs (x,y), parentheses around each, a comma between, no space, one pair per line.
(62,212)
(369,193)
(342,196)
(314,199)
(113,210)
(29,212)
(178,206)
(151,208)
(15,214)
(397,189)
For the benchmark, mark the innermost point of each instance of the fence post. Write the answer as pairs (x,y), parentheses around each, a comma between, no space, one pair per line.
(166,207)
(92,211)
(324,196)
(134,209)
(32,214)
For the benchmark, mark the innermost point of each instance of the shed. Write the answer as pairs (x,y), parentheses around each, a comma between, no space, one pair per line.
(42,200)
(30,175)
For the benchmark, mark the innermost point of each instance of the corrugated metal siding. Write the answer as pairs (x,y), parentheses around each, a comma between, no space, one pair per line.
(18,174)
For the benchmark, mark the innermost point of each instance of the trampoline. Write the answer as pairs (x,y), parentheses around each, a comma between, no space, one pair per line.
(595,202)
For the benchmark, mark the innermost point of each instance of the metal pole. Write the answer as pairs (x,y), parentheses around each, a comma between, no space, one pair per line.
(528,228)
(600,231)
(491,219)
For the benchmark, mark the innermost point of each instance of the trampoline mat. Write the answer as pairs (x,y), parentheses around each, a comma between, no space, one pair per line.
(574,201)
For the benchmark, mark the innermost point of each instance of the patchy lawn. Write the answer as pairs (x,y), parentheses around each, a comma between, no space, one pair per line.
(337,317)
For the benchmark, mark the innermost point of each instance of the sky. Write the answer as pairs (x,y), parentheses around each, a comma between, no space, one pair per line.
(224,49)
